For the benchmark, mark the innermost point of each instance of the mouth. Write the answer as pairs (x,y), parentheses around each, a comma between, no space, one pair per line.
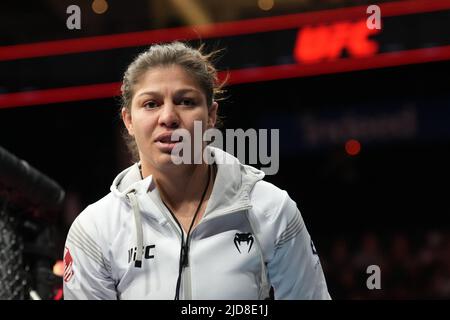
(166,143)
(169,139)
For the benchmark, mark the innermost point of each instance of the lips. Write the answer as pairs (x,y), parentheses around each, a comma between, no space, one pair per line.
(167,138)
(165,142)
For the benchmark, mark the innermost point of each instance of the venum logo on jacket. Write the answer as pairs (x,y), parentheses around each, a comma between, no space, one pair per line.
(146,252)
(247,238)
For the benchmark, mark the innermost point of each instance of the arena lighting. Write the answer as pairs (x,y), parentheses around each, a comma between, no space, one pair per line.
(59,294)
(265,5)
(352,147)
(326,42)
(58,268)
(99,6)
(107,90)
(318,48)
(217,30)
(55,95)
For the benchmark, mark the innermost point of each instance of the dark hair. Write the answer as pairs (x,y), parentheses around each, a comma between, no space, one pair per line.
(194,61)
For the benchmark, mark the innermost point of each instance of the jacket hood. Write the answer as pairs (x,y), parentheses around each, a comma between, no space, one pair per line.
(232,186)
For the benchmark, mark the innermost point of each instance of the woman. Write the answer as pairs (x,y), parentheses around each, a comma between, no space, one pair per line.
(187,231)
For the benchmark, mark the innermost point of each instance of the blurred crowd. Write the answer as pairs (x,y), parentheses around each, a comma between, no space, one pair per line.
(412,266)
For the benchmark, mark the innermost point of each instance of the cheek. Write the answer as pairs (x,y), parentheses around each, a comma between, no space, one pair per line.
(143,126)
(200,115)
(189,122)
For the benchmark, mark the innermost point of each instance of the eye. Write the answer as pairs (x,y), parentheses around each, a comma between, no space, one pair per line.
(150,104)
(187,102)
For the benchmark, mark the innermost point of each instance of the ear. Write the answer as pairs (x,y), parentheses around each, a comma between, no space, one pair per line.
(212,114)
(126,118)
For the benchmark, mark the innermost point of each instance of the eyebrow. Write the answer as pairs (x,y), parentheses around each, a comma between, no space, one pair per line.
(181,91)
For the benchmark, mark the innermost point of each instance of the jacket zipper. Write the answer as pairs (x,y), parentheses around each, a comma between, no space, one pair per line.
(187,288)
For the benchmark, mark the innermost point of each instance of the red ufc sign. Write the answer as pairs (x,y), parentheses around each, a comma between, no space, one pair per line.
(327,42)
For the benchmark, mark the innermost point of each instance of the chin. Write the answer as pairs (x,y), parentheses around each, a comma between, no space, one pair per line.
(164,160)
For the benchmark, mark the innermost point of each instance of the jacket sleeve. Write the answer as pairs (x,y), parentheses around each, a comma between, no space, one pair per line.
(295,270)
(87,273)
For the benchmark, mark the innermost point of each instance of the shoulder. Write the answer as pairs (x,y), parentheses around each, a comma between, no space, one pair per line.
(99,210)
(99,220)
(273,207)
(269,199)
(274,216)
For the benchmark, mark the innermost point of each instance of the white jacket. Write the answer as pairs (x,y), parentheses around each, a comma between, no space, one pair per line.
(251,237)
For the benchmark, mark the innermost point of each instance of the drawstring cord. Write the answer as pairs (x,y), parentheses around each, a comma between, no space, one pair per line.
(184,251)
(139,237)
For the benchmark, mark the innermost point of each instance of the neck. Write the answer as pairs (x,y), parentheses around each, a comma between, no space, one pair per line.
(182,184)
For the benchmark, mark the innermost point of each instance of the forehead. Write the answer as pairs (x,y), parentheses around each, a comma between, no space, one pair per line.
(163,78)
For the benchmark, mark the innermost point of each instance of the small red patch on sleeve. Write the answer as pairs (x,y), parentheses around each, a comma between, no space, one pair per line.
(68,272)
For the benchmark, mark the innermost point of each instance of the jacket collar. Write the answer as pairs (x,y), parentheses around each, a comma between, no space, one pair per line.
(231,191)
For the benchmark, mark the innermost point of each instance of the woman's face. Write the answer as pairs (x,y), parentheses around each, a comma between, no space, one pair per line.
(166,98)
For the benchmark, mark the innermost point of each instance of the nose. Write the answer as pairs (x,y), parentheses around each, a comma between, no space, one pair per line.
(169,117)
